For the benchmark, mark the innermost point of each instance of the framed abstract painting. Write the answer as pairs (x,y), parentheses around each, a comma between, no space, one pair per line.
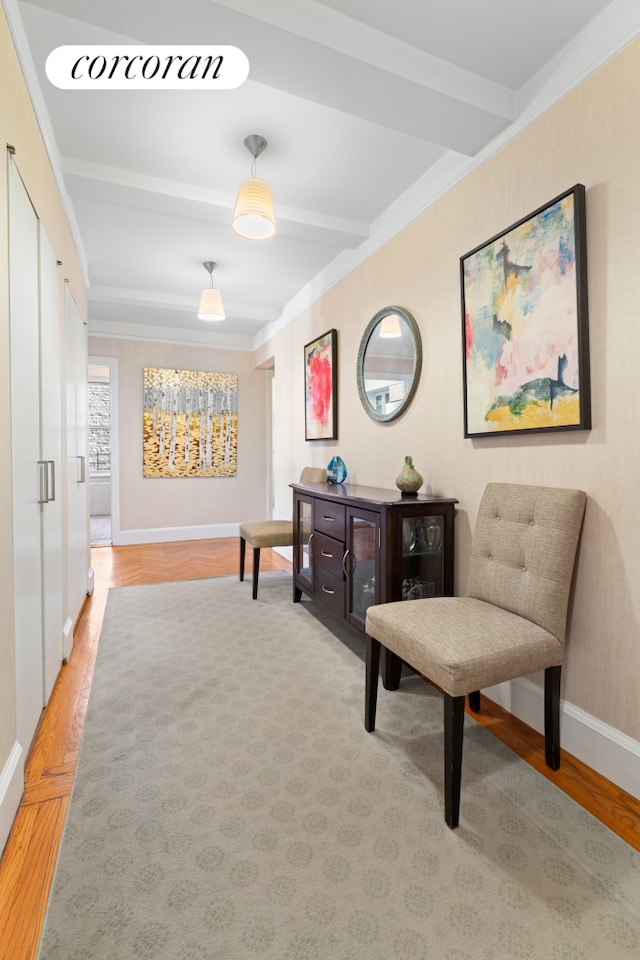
(525,324)
(321,387)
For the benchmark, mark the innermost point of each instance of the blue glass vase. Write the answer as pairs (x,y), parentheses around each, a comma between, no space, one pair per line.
(336,471)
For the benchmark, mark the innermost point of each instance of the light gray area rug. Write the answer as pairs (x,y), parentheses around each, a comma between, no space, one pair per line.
(229,805)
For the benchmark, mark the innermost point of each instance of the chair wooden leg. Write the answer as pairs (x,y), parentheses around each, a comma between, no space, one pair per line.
(371,683)
(391,669)
(243,548)
(474,701)
(256,570)
(552,716)
(453,732)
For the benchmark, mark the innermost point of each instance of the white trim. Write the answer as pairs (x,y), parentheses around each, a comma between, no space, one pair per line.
(212,531)
(11,790)
(609,752)
(67,639)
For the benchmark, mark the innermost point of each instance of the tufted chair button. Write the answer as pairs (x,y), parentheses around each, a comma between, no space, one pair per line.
(524,569)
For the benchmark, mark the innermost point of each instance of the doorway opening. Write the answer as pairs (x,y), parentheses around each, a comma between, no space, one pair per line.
(104,499)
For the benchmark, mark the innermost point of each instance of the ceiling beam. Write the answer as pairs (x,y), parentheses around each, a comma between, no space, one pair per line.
(97,182)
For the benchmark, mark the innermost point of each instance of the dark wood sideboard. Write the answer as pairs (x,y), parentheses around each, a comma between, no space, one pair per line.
(354,546)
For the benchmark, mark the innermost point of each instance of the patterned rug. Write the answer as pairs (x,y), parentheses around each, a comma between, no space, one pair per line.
(229,805)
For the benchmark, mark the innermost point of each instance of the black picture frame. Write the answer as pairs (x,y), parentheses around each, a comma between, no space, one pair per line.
(525,330)
(321,387)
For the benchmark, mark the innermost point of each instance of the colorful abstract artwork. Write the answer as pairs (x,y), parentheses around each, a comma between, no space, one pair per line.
(525,326)
(190,424)
(320,387)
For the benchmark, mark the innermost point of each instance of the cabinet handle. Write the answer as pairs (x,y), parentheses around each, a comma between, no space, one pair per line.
(83,476)
(326,590)
(323,553)
(332,519)
(344,562)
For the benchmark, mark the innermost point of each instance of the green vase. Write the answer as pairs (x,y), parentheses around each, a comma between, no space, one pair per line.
(409,480)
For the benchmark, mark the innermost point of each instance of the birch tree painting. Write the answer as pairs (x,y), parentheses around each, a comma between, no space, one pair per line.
(190,423)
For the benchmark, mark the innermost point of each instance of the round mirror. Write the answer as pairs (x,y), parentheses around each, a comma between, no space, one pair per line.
(389,362)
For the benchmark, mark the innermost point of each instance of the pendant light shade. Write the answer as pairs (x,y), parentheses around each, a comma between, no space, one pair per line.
(253,217)
(210,300)
(390,327)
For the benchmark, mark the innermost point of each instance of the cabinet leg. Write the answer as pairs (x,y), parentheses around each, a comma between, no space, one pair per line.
(391,669)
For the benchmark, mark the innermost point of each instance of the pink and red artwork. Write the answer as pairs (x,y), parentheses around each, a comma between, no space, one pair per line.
(320,388)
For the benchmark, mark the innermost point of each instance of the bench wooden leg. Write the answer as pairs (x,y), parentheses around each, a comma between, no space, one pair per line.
(243,548)
(256,570)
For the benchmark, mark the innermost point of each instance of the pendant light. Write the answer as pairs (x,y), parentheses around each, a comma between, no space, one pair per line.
(210,300)
(253,217)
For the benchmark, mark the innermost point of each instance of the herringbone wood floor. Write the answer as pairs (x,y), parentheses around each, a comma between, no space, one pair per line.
(29,857)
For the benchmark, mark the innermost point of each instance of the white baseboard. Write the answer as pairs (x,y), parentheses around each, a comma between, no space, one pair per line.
(606,750)
(67,638)
(11,790)
(212,531)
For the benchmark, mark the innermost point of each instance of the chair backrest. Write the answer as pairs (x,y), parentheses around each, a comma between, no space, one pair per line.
(523,551)
(314,475)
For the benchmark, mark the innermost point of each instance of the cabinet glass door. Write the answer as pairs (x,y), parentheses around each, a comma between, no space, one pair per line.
(362,563)
(422,557)
(302,559)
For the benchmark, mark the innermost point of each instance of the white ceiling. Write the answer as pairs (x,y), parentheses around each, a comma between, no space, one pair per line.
(371,108)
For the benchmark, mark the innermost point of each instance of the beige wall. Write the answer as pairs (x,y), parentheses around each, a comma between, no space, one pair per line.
(591,137)
(18,127)
(147,503)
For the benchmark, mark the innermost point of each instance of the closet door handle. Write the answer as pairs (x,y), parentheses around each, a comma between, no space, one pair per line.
(52,495)
(43,481)
(83,470)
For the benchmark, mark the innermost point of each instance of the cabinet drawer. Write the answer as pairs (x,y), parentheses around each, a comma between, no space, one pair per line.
(328,553)
(328,518)
(330,590)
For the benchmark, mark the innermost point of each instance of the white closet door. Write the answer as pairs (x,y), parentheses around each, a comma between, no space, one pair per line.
(25,453)
(51,356)
(77,486)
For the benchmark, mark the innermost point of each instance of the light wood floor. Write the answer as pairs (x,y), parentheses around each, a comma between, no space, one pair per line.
(27,864)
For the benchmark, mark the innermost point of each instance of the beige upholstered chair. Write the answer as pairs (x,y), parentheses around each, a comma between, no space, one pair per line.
(512,622)
(272,533)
